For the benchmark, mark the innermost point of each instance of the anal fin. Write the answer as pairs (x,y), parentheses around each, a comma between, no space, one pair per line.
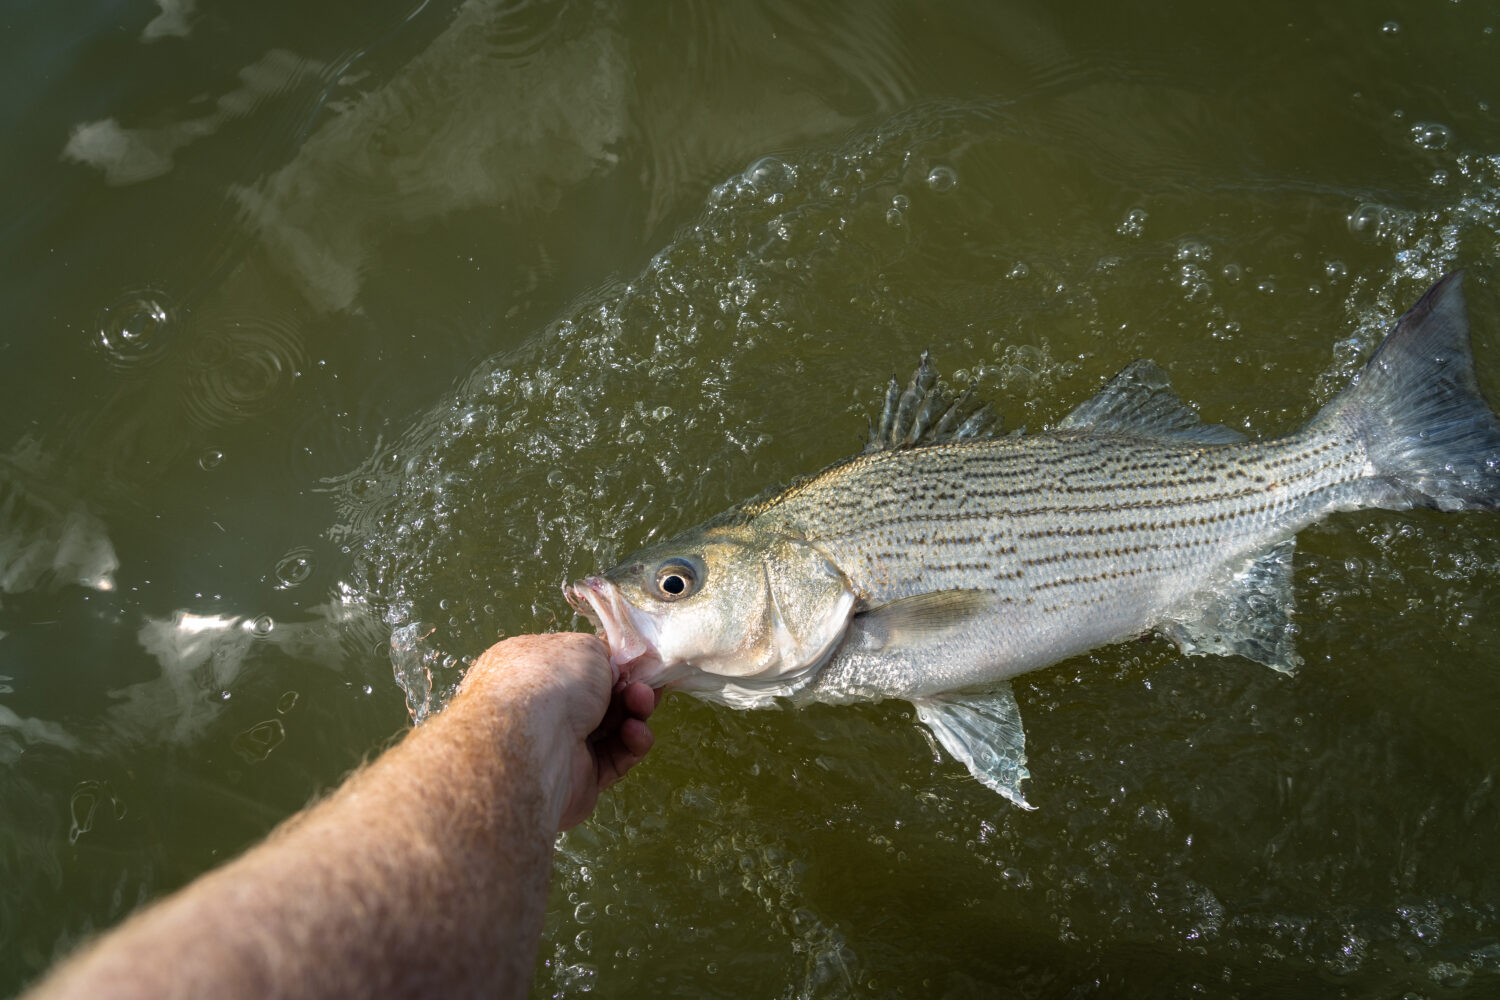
(983,731)
(1249,615)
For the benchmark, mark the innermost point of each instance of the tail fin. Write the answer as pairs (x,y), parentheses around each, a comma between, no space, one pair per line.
(1430,435)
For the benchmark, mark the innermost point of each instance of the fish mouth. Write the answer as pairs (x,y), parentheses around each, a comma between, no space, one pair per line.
(633,655)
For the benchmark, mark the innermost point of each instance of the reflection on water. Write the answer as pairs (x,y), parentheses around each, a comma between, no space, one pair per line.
(173,21)
(132,155)
(339,337)
(48,537)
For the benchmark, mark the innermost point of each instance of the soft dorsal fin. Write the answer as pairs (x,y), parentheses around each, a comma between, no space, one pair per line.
(927,412)
(1140,401)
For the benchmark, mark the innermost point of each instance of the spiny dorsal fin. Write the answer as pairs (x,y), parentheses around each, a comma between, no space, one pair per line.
(1140,401)
(927,412)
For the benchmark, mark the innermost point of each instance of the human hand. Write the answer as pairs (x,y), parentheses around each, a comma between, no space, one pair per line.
(587,730)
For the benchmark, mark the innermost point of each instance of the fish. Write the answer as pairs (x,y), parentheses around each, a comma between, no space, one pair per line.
(948,557)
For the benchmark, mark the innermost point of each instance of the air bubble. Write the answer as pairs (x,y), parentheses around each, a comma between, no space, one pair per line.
(1370,221)
(1133,224)
(942,179)
(210,459)
(1390,28)
(1431,135)
(262,626)
(770,176)
(287,702)
(1194,250)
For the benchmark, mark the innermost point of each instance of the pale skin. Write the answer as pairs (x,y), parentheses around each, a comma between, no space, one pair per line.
(425,874)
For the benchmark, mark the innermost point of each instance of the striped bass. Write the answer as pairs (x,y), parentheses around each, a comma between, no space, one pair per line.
(945,558)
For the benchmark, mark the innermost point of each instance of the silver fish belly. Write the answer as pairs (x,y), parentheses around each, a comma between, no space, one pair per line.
(944,560)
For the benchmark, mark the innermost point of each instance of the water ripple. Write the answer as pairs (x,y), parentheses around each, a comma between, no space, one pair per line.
(236,369)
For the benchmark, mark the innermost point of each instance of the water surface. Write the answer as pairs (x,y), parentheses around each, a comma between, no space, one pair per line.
(337,341)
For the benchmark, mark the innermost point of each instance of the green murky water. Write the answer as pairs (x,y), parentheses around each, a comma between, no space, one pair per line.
(336,341)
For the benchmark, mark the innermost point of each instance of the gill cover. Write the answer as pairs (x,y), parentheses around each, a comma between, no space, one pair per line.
(808,603)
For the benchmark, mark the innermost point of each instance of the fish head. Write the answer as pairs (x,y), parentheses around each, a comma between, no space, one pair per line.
(727,612)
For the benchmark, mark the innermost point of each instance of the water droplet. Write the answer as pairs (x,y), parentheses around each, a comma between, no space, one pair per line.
(1431,135)
(579,978)
(294,568)
(136,328)
(942,179)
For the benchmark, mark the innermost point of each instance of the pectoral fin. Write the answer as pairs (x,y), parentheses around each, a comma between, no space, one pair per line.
(913,620)
(1248,616)
(983,731)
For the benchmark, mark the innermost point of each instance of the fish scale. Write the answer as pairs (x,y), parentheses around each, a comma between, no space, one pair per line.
(892,524)
(1091,538)
(946,559)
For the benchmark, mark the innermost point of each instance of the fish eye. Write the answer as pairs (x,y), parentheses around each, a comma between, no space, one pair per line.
(675,580)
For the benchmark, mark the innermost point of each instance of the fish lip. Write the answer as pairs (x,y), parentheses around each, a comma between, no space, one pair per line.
(633,655)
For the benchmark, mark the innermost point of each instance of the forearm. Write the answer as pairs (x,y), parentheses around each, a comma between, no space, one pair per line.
(425,874)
